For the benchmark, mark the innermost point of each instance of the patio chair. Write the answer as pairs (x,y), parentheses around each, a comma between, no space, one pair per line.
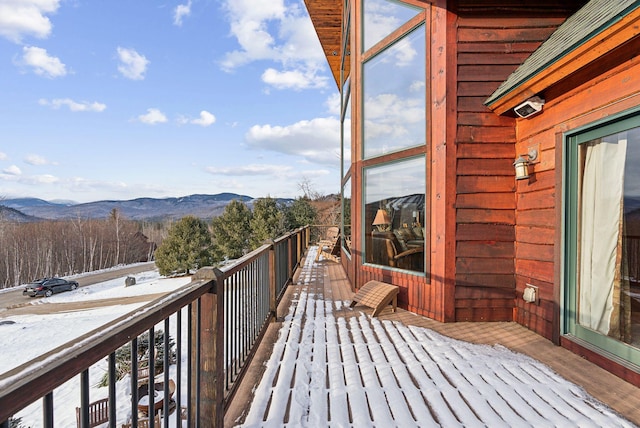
(329,247)
(98,413)
(144,423)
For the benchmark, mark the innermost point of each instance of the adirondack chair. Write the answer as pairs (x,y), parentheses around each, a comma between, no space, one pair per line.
(98,413)
(144,423)
(329,247)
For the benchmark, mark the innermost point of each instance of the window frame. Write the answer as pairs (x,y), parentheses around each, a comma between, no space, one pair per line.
(395,37)
(425,213)
(344,225)
(572,140)
(358,162)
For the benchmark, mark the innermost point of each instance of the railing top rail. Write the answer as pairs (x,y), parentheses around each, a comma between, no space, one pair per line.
(42,375)
(243,261)
(288,235)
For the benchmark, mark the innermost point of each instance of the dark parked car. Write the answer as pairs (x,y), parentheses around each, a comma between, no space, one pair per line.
(48,286)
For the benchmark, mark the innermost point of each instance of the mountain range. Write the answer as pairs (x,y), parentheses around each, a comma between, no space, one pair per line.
(202,206)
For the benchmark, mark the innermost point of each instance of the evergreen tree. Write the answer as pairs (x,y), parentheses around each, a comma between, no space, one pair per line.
(145,352)
(231,231)
(187,246)
(268,221)
(300,213)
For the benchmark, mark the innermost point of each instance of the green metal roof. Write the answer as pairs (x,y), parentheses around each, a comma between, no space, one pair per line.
(592,19)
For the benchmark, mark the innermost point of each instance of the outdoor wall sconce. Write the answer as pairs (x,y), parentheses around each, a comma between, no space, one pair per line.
(530,107)
(522,164)
(382,220)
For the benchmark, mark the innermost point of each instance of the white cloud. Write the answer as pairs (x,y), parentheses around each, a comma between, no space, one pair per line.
(43,179)
(12,176)
(380,20)
(250,170)
(294,79)
(12,170)
(317,140)
(26,18)
(332,104)
(43,64)
(37,160)
(3,156)
(73,105)
(205,119)
(152,117)
(180,12)
(274,32)
(417,86)
(132,64)
(394,115)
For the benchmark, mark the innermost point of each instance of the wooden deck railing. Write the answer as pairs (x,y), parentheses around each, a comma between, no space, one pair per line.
(224,313)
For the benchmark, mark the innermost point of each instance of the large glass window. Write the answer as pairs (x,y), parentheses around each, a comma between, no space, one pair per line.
(603,216)
(382,17)
(346,216)
(346,137)
(394,96)
(394,214)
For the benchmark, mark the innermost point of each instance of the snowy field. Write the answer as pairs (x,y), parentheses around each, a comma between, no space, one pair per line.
(32,335)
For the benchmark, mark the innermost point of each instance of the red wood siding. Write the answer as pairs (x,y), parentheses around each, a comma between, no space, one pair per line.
(572,103)
(489,48)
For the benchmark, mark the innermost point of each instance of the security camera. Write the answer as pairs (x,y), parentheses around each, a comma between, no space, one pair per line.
(530,107)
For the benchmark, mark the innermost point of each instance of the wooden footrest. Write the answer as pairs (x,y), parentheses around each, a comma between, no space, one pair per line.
(376,295)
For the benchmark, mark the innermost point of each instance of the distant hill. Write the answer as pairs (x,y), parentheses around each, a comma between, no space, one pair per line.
(20,203)
(203,206)
(15,216)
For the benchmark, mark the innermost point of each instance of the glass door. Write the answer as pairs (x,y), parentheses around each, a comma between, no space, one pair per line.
(602,264)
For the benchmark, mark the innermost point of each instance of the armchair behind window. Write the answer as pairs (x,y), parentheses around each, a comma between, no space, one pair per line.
(387,251)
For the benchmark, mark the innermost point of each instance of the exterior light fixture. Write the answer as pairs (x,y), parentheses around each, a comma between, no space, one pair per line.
(382,220)
(522,164)
(530,107)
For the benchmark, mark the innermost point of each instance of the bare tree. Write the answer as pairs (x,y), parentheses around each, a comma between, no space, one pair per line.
(306,187)
(115,218)
(52,248)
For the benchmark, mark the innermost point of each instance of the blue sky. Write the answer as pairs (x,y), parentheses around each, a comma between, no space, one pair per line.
(114,99)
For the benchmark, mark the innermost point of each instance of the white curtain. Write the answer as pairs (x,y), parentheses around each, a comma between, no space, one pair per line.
(600,220)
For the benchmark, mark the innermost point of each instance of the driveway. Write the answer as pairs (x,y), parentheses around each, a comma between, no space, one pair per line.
(14,303)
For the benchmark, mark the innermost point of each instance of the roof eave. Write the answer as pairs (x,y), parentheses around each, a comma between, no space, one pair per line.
(326,17)
(587,52)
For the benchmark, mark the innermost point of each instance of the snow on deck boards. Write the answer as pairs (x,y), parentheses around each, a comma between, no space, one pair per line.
(356,371)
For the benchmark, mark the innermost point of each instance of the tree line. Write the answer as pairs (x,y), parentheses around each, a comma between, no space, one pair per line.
(193,243)
(65,247)
(59,248)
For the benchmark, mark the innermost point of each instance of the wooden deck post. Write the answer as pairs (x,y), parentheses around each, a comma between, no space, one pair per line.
(211,368)
(290,264)
(273,290)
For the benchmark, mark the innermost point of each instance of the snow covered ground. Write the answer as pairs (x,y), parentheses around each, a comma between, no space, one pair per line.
(32,335)
(355,372)
(331,371)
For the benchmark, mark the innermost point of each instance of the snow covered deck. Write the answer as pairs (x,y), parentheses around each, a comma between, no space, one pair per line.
(326,364)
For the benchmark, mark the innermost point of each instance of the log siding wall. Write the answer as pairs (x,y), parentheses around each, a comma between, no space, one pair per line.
(473,199)
(488,50)
(570,104)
